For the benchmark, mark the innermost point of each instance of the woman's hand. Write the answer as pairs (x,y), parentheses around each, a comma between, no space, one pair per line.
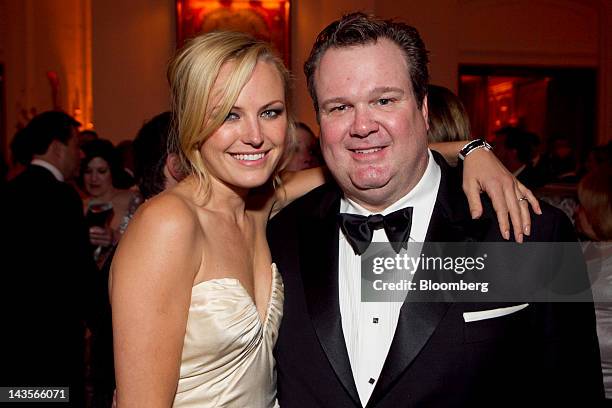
(483,172)
(99,236)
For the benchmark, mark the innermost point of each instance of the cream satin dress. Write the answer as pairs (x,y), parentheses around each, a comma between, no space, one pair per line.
(227,354)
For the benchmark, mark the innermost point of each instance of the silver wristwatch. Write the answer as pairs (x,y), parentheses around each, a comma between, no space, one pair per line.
(474,145)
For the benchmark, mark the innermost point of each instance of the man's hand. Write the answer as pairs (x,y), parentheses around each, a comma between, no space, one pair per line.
(483,172)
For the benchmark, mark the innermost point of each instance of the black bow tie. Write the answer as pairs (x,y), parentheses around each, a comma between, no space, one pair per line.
(359,230)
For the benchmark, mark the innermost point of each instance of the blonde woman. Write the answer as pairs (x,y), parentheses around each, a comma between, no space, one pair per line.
(196,299)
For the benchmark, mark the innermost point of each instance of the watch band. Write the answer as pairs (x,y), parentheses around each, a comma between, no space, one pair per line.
(474,145)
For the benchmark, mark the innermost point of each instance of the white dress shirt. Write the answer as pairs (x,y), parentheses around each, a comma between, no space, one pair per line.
(54,170)
(369,327)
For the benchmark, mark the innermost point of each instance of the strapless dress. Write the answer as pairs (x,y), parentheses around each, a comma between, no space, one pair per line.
(227,356)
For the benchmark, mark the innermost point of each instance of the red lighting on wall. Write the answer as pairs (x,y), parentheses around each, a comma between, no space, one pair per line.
(266,20)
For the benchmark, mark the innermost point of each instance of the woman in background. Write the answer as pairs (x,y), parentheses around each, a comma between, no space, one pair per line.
(100,169)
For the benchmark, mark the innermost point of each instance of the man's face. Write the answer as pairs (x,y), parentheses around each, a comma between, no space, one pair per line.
(373,135)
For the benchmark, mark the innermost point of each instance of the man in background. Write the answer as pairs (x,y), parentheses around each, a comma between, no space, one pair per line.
(516,149)
(47,267)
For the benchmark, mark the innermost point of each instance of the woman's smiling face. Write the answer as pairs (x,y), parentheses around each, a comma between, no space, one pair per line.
(246,149)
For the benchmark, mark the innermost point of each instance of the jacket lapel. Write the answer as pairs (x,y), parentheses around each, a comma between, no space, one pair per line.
(319,265)
(450,222)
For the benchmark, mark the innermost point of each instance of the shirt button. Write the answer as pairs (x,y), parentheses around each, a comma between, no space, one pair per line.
(375,320)
(371,381)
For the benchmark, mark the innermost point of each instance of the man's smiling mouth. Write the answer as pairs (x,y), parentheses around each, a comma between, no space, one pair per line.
(367,151)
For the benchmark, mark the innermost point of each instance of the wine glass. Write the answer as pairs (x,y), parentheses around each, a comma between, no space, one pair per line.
(99,214)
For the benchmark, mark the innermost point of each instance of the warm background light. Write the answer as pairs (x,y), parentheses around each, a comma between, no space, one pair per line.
(111,55)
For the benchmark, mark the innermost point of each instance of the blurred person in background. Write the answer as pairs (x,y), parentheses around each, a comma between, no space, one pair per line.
(306,153)
(599,155)
(448,120)
(515,148)
(21,154)
(87,135)
(594,224)
(559,161)
(47,267)
(126,179)
(156,165)
(99,169)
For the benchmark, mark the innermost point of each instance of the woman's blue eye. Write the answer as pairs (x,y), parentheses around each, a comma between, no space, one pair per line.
(231,116)
(271,113)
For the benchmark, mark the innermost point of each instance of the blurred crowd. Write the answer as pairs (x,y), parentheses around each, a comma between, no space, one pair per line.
(550,168)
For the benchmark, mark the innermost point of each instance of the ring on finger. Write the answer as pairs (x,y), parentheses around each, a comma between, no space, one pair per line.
(523,198)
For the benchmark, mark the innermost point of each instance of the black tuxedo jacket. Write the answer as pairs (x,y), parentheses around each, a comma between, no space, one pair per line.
(546,353)
(46,272)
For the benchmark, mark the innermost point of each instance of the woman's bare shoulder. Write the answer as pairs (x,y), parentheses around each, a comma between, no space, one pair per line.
(164,238)
(167,211)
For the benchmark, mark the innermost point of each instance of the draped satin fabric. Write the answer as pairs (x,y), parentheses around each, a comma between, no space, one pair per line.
(227,356)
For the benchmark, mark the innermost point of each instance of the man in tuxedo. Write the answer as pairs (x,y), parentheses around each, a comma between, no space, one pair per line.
(368,80)
(515,148)
(47,267)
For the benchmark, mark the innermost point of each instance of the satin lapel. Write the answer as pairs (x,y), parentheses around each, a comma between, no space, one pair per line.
(449,222)
(319,265)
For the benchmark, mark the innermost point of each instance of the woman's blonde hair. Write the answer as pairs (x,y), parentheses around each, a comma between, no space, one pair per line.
(448,119)
(595,196)
(192,74)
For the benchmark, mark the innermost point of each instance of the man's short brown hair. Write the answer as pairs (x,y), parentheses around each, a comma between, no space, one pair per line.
(361,29)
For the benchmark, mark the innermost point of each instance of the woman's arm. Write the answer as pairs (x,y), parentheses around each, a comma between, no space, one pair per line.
(151,280)
(450,150)
(297,183)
